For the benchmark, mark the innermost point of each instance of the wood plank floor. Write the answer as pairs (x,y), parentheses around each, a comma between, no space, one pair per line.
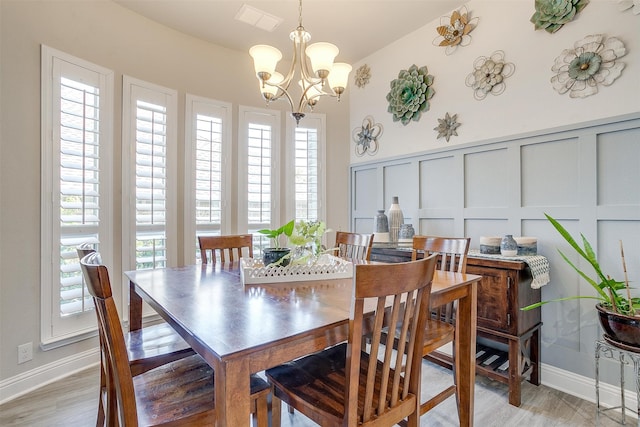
(71,402)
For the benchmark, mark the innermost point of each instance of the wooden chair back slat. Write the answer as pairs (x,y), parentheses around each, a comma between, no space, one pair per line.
(353,245)
(223,249)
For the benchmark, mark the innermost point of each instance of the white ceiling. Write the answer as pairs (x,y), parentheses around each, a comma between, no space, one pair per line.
(357,27)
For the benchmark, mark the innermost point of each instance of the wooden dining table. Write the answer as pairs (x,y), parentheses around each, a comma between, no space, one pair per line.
(241,329)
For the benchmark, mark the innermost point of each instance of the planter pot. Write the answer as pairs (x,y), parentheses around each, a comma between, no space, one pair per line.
(620,328)
(273,255)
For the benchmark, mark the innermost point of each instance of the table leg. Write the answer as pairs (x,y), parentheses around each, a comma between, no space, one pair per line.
(465,355)
(232,393)
(135,308)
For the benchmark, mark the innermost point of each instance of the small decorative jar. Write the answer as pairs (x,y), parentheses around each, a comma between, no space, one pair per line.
(508,246)
(396,219)
(406,233)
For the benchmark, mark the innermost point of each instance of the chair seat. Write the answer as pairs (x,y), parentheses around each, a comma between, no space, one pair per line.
(181,391)
(437,334)
(317,383)
(155,345)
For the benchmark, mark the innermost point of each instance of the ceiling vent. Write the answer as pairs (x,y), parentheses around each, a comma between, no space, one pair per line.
(258,18)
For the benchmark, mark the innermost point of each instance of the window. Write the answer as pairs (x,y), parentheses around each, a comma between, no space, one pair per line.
(258,180)
(77,115)
(305,171)
(207,180)
(149,181)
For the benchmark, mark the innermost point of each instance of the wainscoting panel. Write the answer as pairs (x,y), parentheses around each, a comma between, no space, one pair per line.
(586,176)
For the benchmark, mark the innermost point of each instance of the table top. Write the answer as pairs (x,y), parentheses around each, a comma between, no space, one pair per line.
(231,319)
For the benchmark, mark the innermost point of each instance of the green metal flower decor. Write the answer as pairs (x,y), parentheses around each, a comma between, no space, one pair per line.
(362,76)
(366,137)
(488,75)
(447,126)
(592,61)
(551,15)
(454,30)
(409,94)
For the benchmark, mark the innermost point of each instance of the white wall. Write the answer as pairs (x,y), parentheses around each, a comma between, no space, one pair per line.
(106,34)
(529,102)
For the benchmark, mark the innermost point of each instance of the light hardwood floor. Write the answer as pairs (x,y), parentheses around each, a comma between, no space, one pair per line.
(71,402)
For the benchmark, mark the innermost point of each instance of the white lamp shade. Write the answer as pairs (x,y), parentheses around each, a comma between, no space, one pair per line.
(339,76)
(322,55)
(276,78)
(265,58)
(313,93)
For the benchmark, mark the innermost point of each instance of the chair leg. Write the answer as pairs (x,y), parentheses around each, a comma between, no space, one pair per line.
(276,410)
(261,414)
(103,388)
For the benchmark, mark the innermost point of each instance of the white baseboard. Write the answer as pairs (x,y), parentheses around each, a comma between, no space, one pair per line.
(585,388)
(25,382)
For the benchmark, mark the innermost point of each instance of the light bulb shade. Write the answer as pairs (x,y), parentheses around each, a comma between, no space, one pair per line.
(322,55)
(339,76)
(269,92)
(265,59)
(313,94)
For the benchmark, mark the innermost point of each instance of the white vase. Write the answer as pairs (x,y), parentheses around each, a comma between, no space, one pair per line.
(396,219)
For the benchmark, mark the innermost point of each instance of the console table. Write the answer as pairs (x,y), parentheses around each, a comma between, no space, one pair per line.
(509,350)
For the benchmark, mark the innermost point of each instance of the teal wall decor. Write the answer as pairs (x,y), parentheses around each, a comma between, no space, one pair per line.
(410,93)
(551,15)
(593,61)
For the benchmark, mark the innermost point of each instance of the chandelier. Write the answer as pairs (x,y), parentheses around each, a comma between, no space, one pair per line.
(322,78)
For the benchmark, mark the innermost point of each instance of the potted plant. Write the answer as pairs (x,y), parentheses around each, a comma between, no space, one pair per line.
(618,312)
(276,254)
(307,239)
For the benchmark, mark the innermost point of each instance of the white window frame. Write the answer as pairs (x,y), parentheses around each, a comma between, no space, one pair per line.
(318,122)
(132,91)
(56,330)
(272,118)
(199,105)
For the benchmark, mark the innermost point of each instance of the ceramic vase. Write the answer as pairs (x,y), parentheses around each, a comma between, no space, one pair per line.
(508,246)
(396,219)
(406,233)
(381,227)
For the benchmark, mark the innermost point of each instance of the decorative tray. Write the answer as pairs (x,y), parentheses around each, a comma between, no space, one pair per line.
(326,267)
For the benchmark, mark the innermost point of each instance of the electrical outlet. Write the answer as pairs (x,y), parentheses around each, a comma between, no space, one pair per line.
(25,352)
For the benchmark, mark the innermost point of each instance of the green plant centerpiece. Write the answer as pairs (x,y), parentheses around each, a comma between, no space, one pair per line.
(307,239)
(276,254)
(619,312)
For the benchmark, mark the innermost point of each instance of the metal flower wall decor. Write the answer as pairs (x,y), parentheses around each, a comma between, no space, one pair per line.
(410,93)
(366,136)
(634,5)
(447,126)
(488,75)
(592,61)
(362,76)
(454,30)
(551,15)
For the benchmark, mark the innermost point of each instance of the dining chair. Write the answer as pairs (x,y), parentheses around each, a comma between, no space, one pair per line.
(353,245)
(178,393)
(147,348)
(348,384)
(224,248)
(452,256)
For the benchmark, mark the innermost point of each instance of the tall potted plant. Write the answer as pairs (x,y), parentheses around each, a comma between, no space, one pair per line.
(618,312)
(276,254)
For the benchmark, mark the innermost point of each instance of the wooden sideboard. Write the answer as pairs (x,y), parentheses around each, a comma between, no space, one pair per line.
(508,348)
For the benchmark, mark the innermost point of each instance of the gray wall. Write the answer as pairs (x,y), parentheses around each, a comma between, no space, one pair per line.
(108,35)
(586,176)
